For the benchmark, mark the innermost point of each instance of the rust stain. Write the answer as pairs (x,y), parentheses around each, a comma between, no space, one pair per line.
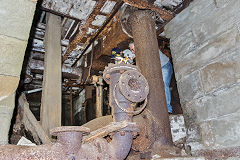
(165,15)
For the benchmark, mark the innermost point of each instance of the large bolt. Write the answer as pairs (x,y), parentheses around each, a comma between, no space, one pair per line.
(108,76)
(122,133)
(122,71)
(134,134)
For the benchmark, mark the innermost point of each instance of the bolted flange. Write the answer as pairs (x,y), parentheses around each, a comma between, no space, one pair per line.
(133,86)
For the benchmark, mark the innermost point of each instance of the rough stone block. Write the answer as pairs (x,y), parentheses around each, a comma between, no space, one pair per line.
(6,110)
(192,125)
(190,113)
(178,129)
(224,131)
(5,125)
(7,104)
(190,87)
(8,85)
(179,25)
(211,26)
(193,134)
(207,134)
(223,3)
(206,53)
(11,55)
(222,73)
(16,18)
(221,103)
(182,45)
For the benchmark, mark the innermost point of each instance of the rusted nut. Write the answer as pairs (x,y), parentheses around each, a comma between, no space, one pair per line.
(122,71)
(122,133)
(107,76)
(111,134)
(95,78)
(144,116)
(134,134)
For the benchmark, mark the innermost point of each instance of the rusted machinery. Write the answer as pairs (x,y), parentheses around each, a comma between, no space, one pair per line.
(127,86)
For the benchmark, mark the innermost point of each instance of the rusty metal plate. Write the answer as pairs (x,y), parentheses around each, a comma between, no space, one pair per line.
(133,85)
(57,130)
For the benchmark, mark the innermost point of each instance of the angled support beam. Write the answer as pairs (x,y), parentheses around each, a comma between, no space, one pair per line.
(30,122)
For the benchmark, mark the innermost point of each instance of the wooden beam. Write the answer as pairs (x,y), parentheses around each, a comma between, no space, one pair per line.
(71,106)
(112,127)
(83,29)
(30,122)
(115,36)
(143,4)
(51,106)
(37,66)
(115,10)
(90,110)
(99,97)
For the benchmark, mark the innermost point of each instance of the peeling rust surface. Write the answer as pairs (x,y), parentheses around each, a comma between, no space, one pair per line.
(67,147)
(147,59)
(81,129)
(144,140)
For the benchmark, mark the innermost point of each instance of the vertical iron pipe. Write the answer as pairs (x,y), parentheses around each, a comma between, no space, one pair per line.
(148,60)
(121,144)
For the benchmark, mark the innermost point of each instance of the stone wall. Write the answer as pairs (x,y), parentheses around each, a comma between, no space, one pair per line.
(16,19)
(204,40)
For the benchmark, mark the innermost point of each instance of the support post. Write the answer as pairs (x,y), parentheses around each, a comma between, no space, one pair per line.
(71,107)
(99,97)
(147,59)
(51,104)
(90,110)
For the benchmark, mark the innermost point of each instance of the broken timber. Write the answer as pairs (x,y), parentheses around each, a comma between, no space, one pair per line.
(30,122)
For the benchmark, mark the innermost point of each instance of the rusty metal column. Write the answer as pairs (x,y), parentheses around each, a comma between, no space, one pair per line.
(147,59)
(51,103)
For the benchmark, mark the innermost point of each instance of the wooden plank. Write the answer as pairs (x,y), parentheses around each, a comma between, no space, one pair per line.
(30,122)
(112,127)
(99,98)
(51,106)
